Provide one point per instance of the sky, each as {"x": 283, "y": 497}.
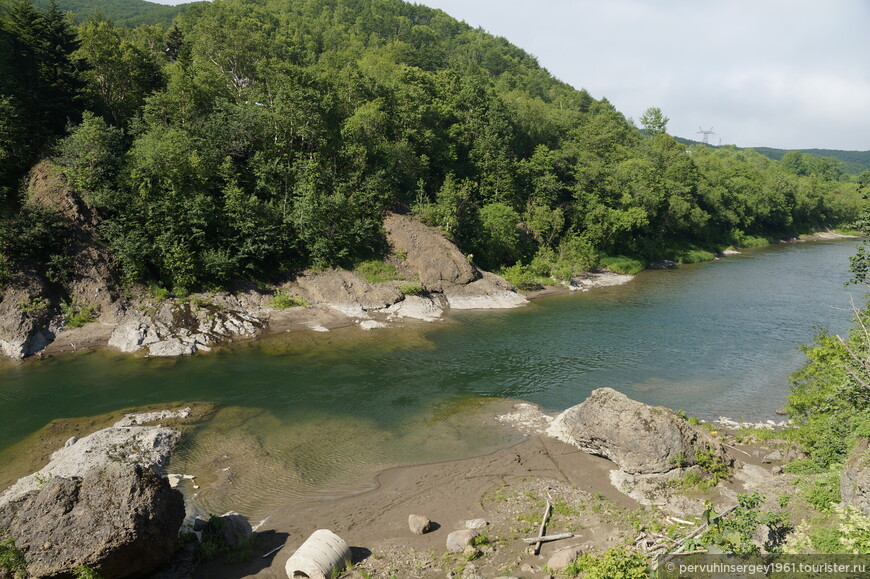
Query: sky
{"x": 789, "y": 74}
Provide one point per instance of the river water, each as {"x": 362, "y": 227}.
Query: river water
{"x": 315, "y": 415}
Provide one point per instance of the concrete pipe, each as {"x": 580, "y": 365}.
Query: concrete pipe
{"x": 319, "y": 557}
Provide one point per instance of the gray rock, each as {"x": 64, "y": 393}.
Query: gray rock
{"x": 564, "y": 557}
{"x": 457, "y": 541}
{"x": 235, "y": 529}
{"x": 488, "y": 292}
{"x": 419, "y": 524}
{"x": 776, "y": 455}
{"x": 776, "y": 470}
{"x": 171, "y": 347}
{"x": 855, "y": 480}
{"x": 120, "y": 519}
{"x": 70, "y": 441}
{"x": 150, "y": 446}
{"x": 475, "y": 524}
{"x": 436, "y": 262}
{"x": 640, "y": 439}
{"x": 24, "y": 316}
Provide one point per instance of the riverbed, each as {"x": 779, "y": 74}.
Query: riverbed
{"x": 317, "y": 414}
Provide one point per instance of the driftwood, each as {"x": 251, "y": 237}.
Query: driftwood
{"x": 547, "y": 538}
{"x": 682, "y": 542}
{"x": 275, "y": 550}
{"x": 540, "y": 537}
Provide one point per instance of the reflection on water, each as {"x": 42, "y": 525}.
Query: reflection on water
{"x": 316, "y": 414}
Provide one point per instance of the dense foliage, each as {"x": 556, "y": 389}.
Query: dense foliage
{"x": 255, "y": 136}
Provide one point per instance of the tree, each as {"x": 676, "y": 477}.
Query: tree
{"x": 654, "y": 121}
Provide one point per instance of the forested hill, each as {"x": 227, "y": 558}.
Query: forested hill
{"x": 121, "y": 12}
{"x": 250, "y": 138}
{"x": 852, "y": 162}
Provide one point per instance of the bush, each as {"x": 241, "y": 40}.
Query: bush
{"x": 693, "y": 255}
{"x": 12, "y": 560}
{"x": 76, "y": 316}
{"x": 412, "y": 289}
{"x": 616, "y": 563}
{"x": 521, "y": 277}
{"x": 282, "y": 300}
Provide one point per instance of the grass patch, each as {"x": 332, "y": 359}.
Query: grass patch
{"x": 282, "y": 300}
{"x": 622, "y": 264}
{"x": 694, "y": 255}
{"x": 374, "y": 271}
{"x": 12, "y": 560}
{"x": 75, "y": 315}
{"x": 412, "y": 289}
{"x": 616, "y": 562}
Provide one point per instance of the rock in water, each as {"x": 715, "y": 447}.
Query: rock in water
{"x": 640, "y": 439}
{"x": 121, "y": 520}
{"x": 855, "y": 480}
{"x": 419, "y": 524}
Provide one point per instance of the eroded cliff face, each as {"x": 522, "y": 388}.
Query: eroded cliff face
{"x": 32, "y": 320}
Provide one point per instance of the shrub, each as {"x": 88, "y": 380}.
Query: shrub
{"x": 616, "y": 563}
{"x": 282, "y": 300}
{"x": 12, "y": 560}
{"x": 520, "y": 277}
{"x": 76, "y": 316}
{"x": 33, "y": 308}
{"x": 412, "y": 289}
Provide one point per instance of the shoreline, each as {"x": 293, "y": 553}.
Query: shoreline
{"x": 325, "y": 317}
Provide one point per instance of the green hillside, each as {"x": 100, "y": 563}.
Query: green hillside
{"x": 253, "y": 138}
{"x": 121, "y": 12}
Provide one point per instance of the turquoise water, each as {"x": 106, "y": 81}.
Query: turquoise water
{"x": 316, "y": 412}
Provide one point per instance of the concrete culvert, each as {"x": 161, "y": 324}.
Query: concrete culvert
{"x": 321, "y": 555}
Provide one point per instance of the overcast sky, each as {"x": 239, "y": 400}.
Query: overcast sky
{"x": 791, "y": 74}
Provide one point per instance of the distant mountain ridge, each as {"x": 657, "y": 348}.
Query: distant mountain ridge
{"x": 854, "y": 162}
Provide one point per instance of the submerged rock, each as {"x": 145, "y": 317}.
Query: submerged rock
{"x": 639, "y": 438}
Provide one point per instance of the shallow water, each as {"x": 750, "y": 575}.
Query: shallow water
{"x": 315, "y": 415}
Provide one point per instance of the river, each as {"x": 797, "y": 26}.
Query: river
{"x": 311, "y": 414}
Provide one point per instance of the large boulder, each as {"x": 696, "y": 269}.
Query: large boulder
{"x": 639, "y": 438}
{"x": 149, "y": 446}
{"x": 346, "y": 292}
{"x": 437, "y": 263}
{"x": 120, "y": 519}
{"x": 855, "y": 480}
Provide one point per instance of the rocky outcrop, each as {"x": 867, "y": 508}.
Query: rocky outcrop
{"x": 640, "y": 439}
{"x": 436, "y": 262}
{"x": 120, "y": 520}
{"x": 101, "y": 501}
{"x": 179, "y": 328}
{"x": 149, "y": 446}
{"x": 855, "y": 480}
{"x": 345, "y": 291}
{"x": 25, "y": 316}
{"x": 488, "y": 292}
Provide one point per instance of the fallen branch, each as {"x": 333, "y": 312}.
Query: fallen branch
{"x": 276, "y": 549}
{"x": 737, "y": 449}
{"x": 683, "y": 554}
{"x": 539, "y": 540}
{"x": 683, "y": 542}
{"x": 681, "y": 521}
{"x": 548, "y": 538}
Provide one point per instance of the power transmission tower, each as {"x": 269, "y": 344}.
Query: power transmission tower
{"x": 705, "y": 135}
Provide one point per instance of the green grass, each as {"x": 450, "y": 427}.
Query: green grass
{"x": 622, "y": 264}
{"x": 694, "y": 255}
{"x": 76, "y": 316}
{"x": 374, "y": 271}
{"x": 412, "y": 289}
{"x": 282, "y": 300}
